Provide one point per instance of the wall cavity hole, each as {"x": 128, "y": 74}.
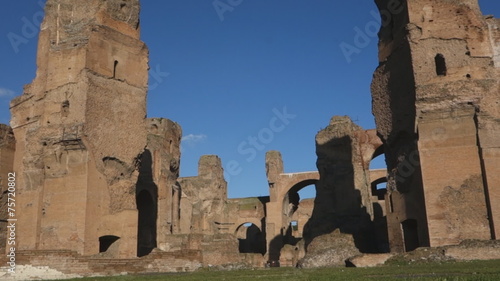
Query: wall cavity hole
{"x": 115, "y": 65}
{"x": 440, "y": 62}
{"x": 468, "y": 76}
{"x": 154, "y": 129}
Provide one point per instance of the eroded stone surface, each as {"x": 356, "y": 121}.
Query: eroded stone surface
{"x": 80, "y": 127}
{"x": 7, "y": 149}
{"x": 435, "y": 101}
{"x": 99, "y": 183}
{"x": 344, "y": 196}
{"x": 369, "y": 260}
{"x": 331, "y": 249}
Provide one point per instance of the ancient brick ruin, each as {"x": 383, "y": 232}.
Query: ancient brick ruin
{"x": 7, "y": 149}
{"x": 87, "y": 199}
{"x": 436, "y": 105}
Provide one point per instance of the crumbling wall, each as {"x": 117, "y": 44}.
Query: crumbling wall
{"x": 7, "y": 149}
{"x": 435, "y": 101}
{"x": 161, "y": 161}
{"x": 157, "y": 194}
{"x": 344, "y": 198}
{"x": 80, "y": 127}
{"x": 247, "y": 221}
{"x": 206, "y": 222}
{"x": 329, "y": 250}
{"x": 207, "y": 196}
{"x": 393, "y": 105}
{"x": 65, "y": 264}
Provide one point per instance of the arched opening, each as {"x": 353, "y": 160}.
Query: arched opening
{"x": 410, "y": 234}
{"x": 379, "y": 188}
{"x": 378, "y": 159}
{"x": 378, "y": 172}
{"x": 106, "y": 241}
{"x": 307, "y": 192}
{"x": 303, "y": 190}
{"x": 378, "y": 177}
{"x": 303, "y": 213}
{"x": 147, "y": 205}
{"x": 440, "y": 62}
{"x": 298, "y": 205}
{"x": 250, "y": 239}
{"x": 146, "y": 237}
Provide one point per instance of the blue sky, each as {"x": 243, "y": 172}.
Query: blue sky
{"x": 240, "y": 76}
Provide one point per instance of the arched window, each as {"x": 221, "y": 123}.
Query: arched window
{"x": 106, "y": 241}
{"x": 251, "y": 239}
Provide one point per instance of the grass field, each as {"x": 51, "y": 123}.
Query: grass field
{"x": 474, "y": 270}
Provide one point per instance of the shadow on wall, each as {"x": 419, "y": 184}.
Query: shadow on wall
{"x": 394, "y": 107}
{"x": 278, "y": 242}
{"x": 338, "y": 204}
{"x": 147, "y": 205}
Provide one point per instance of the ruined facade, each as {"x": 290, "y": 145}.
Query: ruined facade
{"x": 345, "y": 199}
{"x": 98, "y": 182}
{"x": 284, "y": 204}
{"x": 157, "y": 192}
{"x": 7, "y": 149}
{"x": 77, "y": 182}
{"x": 435, "y": 101}
{"x": 346, "y": 196}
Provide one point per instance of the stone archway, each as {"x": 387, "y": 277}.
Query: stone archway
{"x": 285, "y": 203}
{"x": 291, "y": 198}
{"x": 250, "y": 237}
{"x": 147, "y": 205}
{"x": 283, "y": 188}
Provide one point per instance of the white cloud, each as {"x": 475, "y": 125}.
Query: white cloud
{"x": 6, "y": 93}
{"x": 192, "y": 138}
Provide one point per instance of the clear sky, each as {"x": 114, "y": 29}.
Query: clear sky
{"x": 240, "y": 76}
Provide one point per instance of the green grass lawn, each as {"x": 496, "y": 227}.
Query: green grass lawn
{"x": 474, "y": 270}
